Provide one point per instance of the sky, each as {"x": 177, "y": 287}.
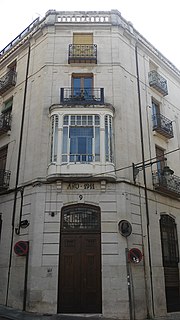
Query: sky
{"x": 157, "y": 20}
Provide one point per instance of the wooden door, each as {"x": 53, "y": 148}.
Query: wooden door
{"x": 80, "y": 267}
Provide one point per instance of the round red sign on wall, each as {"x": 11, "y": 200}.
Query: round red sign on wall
{"x": 21, "y": 248}
{"x": 134, "y": 255}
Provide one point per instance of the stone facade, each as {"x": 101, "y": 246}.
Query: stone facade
{"x": 47, "y": 175}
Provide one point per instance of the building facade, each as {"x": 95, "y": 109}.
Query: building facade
{"x": 89, "y": 170}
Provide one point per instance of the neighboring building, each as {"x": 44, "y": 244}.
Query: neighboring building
{"x": 89, "y": 169}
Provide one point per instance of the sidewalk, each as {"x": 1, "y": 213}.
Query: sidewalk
{"x": 14, "y": 314}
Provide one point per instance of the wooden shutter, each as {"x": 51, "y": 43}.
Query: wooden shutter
{"x": 82, "y": 38}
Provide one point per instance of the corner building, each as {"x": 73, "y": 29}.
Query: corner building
{"x": 89, "y": 170}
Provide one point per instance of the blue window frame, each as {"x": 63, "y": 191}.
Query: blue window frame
{"x": 82, "y": 86}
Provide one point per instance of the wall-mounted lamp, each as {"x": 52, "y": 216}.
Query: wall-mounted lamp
{"x": 139, "y": 167}
{"x": 23, "y": 224}
{"x": 167, "y": 171}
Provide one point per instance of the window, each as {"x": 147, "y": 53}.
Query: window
{"x": 108, "y": 137}
{"x": 4, "y": 174}
{"x": 81, "y": 138}
{"x": 54, "y": 138}
{"x": 156, "y": 114}
{"x": 160, "y": 157}
{"x": 3, "y": 156}
{"x": 169, "y": 240}
{"x": 81, "y": 142}
{"x": 82, "y": 86}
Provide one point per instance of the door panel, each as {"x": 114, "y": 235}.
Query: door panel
{"x": 80, "y": 274}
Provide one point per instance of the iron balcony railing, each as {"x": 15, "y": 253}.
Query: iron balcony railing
{"x": 4, "y": 179}
{"x": 5, "y": 122}
{"x": 82, "y": 53}
{"x": 163, "y": 125}
{"x": 169, "y": 184}
{"x": 7, "y": 81}
{"x": 158, "y": 82}
{"x": 86, "y": 96}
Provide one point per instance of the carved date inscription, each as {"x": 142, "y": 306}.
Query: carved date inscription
{"x": 80, "y": 186}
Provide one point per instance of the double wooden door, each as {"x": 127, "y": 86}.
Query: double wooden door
{"x": 80, "y": 270}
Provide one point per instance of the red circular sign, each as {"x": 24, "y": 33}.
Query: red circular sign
{"x": 21, "y": 248}
{"x": 134, "y": 255}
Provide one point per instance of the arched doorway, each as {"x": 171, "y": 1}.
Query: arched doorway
{"x": 170, "y": 255}
{"x": 80, "y": 260}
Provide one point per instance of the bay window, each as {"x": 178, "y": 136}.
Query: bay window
{"x": 81, "y": 142}
{"x": 81, "y": 138}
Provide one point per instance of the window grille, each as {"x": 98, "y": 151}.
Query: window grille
{"x": 80, "y": 218}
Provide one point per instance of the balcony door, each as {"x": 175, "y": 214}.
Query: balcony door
{"x": 160, "y": 158}
{"x": 82, "y": 85}
{"x": 3, "y": 157}
{"x": 156, "y": 114}
{"x": 80, "y": 260}
{"x": 170, "y": 254}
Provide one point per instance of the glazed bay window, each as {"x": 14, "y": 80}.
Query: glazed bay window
{"x": 81, "y": 138}
{"x": 81, "y": 142}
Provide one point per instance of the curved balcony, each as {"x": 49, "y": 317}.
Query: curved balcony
{"x": 82, "y": 53}
{"x": 79, "y": 96}
{"x": 5, "y": 122}
{"x": 158, "y": 82}
{"x": 4, "y": 179}
{"x": 168, "y": 184}
{"x": 7, "y": 81}
{"x": 163, "y": 125}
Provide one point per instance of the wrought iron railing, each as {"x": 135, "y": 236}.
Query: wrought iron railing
{"x": 169, "y": 184}
{"x": 7, "y": 81}
{"x": 5, "y": 122}
{"x": 163, "y": 125}
{"x": 82, "y": 53}
{"x": 158, "y": 82}
{"x": 81, "y": 96}
{"x": 4, "y": 179}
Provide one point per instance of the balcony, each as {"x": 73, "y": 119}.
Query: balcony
{"x": 4, "y": 179}
{"x": 7, "y": 81}
{"x": 5, "y": 122}
{"x": 163, "y": 125}
{"x": 157, "y": 82}
{"x": 167, "y": 183}
{"x": 78, "y": 96}
{"x": 82, "y": 53}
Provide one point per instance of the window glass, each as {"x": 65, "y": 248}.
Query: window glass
{"x": 97, "y": 144}
{"x": 81, "y": 139}
{"x": 108, "y": 137}
{"x": 54, "y": 138}
{"x": 82, "y": 86}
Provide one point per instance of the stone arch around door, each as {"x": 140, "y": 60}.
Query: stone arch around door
{"x": 79, "y": 285}
{"x": 170, "y": 255}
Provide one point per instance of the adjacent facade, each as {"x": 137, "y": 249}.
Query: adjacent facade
{"x": 89, "y": 170}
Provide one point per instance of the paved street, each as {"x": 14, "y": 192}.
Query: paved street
{"x": 14, "y": 314}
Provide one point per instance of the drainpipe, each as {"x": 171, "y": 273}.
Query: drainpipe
{"x": 145, "y": 192}
{"x": 17, "y": 173}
